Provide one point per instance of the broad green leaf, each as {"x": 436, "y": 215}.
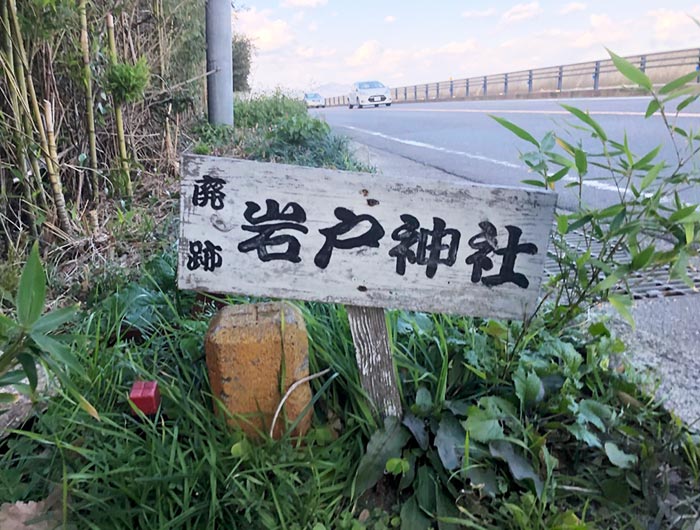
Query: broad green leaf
{"x": 654, "y": 105}
{"x": 562, "y": 224}
{"x": 651, "y": 175}
{"x": 682, "y": 213}
{"x": 520, "y": 133}
{"x": 58, "y": 351}
{"x": 599, "y": 329}
{"x": 566, "y": 146}
{"x": 689, "y": 233}
{"x": 579, "y": 223}
{"x": 548, "y": 142}
{"x": 618, "y": 457}
{"x": 642, "y": 259}
{"x": 11, "y": 378}
{"x": 630, "y": 71}
{"x": 582, "y": 433}
{"x": 241, "y": 449}
{"x": 446, "y": 510}
{"x": 384, "y": 444}
{"x": 622, "y": 305}
{"x": 687, "y": 101}
{"x": 651, "y": 155}
{"x": 556, "y": 177}
{"x": 585, "y": 118}
{"x": 425, "y": 489}
{"x": 483, "y": 427}
{"x": 449, "y": 441}
{"x": 519, "y": 466}
{"x": 412, "y": 517}
{"x": 417, "y": 427}
{"x": 6, "y": 397}
{"x": 424, "y": 402}
{"x": 581, "y": 162}
{"x": 54, "y": 319}
{"x": 528, "y": 388}
{"x": 396, "y": 466}
{"x": 678, "y": 83}
{"x": 532, "y": 182}
{"x": 28, "y": 363}
{"x": 594, "y": 412}
{"x": 31, "y": 293}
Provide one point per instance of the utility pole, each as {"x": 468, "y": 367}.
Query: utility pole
{"x": 220, "y": 61}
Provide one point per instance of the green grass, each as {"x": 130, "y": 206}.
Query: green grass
{"x": 278, "y": 129}
{"x": 186, "y": 468}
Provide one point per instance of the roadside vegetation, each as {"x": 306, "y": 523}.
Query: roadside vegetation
{"x": 525, "y": 425}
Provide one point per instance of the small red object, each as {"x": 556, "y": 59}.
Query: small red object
{"x": 146, "y": 396}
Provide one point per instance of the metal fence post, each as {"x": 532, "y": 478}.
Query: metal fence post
{"x": 560, "y": 78}
{"x": 466, "y": 95}
{"x": 697, "y": 67}
{"x": 529, "y": 80}
{"x": 426, "y": 92}
{"x": 405, "y": 93}
{"x": 452, "y": 89}
{"x": 415, "y": 92}
{"x": 437, "y": 90}
{"x": 485, "y": 85}
{"x": 596, "y": 75}
{"x": 505, "y": 84}
{"x": 643, "y": 63}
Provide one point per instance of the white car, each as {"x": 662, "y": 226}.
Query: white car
{"x": 312, "y": 99}
{"x": 369, "y": 93}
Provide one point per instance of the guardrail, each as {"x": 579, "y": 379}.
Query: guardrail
{"x": 593, "y": 78}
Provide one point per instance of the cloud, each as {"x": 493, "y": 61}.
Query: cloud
{"x": 673, "y": 27}
{"x": 572, "y": 8}
{"x": 479, "y": 14}
{"x": 303, "y": 3}
{"x": 266, "y": 33}
{"x": 521, "y": 12}
{"x": 313, "y": 53}
{"x": 390, "y": 19}
{"x": 451, "y": 48}
{"x": 312, "y": 27}
{"x": 367, "y": 52}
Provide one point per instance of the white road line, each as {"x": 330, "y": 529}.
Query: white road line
{"x": 553, "y": 112}
{"x": 590, "y": 183}
{"x": 413, "y": 143}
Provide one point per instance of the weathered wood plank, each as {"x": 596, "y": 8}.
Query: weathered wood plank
{"x": 373, "y": 355}
{"x": 462, "y": 225}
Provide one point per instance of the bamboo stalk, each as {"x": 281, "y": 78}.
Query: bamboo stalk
{"x": 28, "y": 94}
{"x": 90, "y": 112}
{"x": 20, "y": 148}
{"x": 118, "y": 118}
{"x": 54, "y": 177}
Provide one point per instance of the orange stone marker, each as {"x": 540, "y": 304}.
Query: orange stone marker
{"x": 249, "y": 348}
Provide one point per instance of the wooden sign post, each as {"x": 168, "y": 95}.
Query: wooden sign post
{"x": 366, "y": 241}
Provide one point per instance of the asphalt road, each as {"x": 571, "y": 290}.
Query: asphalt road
{"x": 461, "y": 138}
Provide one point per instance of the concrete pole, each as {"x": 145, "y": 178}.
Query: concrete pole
{"x": 220, "y": 60}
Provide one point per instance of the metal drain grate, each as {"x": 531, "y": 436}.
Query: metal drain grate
{"x": 651, "y": 284}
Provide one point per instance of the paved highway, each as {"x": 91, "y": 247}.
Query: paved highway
{"x": 461, "y": 138}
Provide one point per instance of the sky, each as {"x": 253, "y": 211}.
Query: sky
{"x": 329, "y": 44}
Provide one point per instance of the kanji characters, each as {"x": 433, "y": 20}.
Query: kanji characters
{"x": 204, "y": 254}
{"x": 207, "y": 191}
{"x": 348, "y": 221}
{"x": 429, "y": 245}
{"x": 290, "y": 218}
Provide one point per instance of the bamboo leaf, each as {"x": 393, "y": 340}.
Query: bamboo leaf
{"x": 630, "y": 71}
{"x": 654, "y": 105}
{"x": 585, "y": 118}
{"x": 678, "y": 83}
{"x": 520, "y": 133}
{"x": 651, "y": 175}
{"x": 31, "y": 293}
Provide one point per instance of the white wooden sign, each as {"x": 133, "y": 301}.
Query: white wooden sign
{"x": 293, "y": 232}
